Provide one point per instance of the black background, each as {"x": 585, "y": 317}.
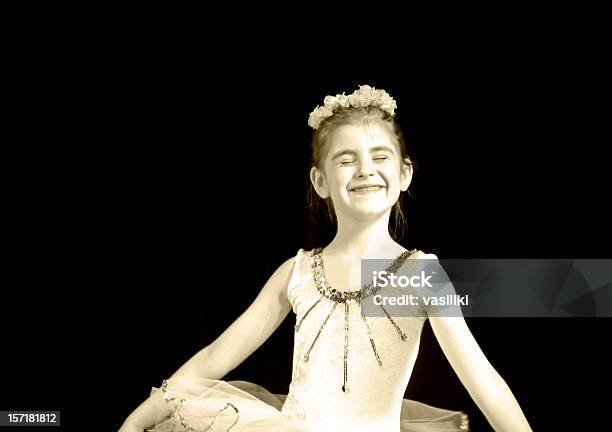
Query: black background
{"x": 152, "y": 191}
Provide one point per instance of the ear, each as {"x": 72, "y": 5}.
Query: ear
{"x": 405, "y": 174}
{"x": 318, "y": 182}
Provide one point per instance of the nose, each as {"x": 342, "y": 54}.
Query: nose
{"x": 365, "y": 168}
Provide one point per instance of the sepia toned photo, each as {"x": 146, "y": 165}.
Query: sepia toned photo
{"x": 233, "y": 240}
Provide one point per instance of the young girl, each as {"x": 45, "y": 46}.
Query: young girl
{"x": 350, "y": 371}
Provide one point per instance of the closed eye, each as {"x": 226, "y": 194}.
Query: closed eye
{"x": 378, "y": 158}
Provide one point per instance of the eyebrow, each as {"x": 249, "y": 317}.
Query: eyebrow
{"x": 372, "y": 150}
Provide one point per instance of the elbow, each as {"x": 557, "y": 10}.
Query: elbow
{"x": 489, "y": 390}
{"x": 201, "y": 365}
{"x": 207, "y": 364}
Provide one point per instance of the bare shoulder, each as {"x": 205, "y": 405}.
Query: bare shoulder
{"x": 286, "y": 267}
{"x": 279, "y": 280}
{"x": 425, "y": 255}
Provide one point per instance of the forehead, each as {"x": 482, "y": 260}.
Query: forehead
{"x": 359, "y": 137}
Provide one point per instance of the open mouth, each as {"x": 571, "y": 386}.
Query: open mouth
{"x": 367, "y": 189}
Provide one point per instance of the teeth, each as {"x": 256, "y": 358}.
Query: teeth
{"x": 368, "y": 189}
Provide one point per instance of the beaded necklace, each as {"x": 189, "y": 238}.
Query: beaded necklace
{"x": 346, "y": 298}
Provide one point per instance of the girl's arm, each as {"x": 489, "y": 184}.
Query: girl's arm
{"x": 247, "y": 333}
{"x": 486, "y": 387}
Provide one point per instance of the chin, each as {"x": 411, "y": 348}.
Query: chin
{"x": 366, "y": 212}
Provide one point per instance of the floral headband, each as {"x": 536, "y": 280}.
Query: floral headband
{"x": 362, "y": 97}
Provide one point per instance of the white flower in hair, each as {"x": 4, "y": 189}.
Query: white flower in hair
{"x": 343, "y": 100}
{"x": 330, "y": 102}
{"x": 363, "y": 97}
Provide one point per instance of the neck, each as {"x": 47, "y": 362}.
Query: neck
{"x": 364, "y": 238}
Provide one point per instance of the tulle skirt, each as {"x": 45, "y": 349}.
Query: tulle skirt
{"x": 203, "y": 405}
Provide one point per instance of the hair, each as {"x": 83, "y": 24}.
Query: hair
{"x": 321, "y": 139}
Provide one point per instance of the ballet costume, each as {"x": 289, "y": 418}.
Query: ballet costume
{"x": 350, "y": 371}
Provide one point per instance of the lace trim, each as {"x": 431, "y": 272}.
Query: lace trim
{"x": 178, "y": 409}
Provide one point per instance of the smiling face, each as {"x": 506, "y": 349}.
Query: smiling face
{"x": 362, "y": 172}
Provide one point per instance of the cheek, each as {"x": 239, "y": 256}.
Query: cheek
{"x": 392, "y": 176}
{"x": 339, "y": 177}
